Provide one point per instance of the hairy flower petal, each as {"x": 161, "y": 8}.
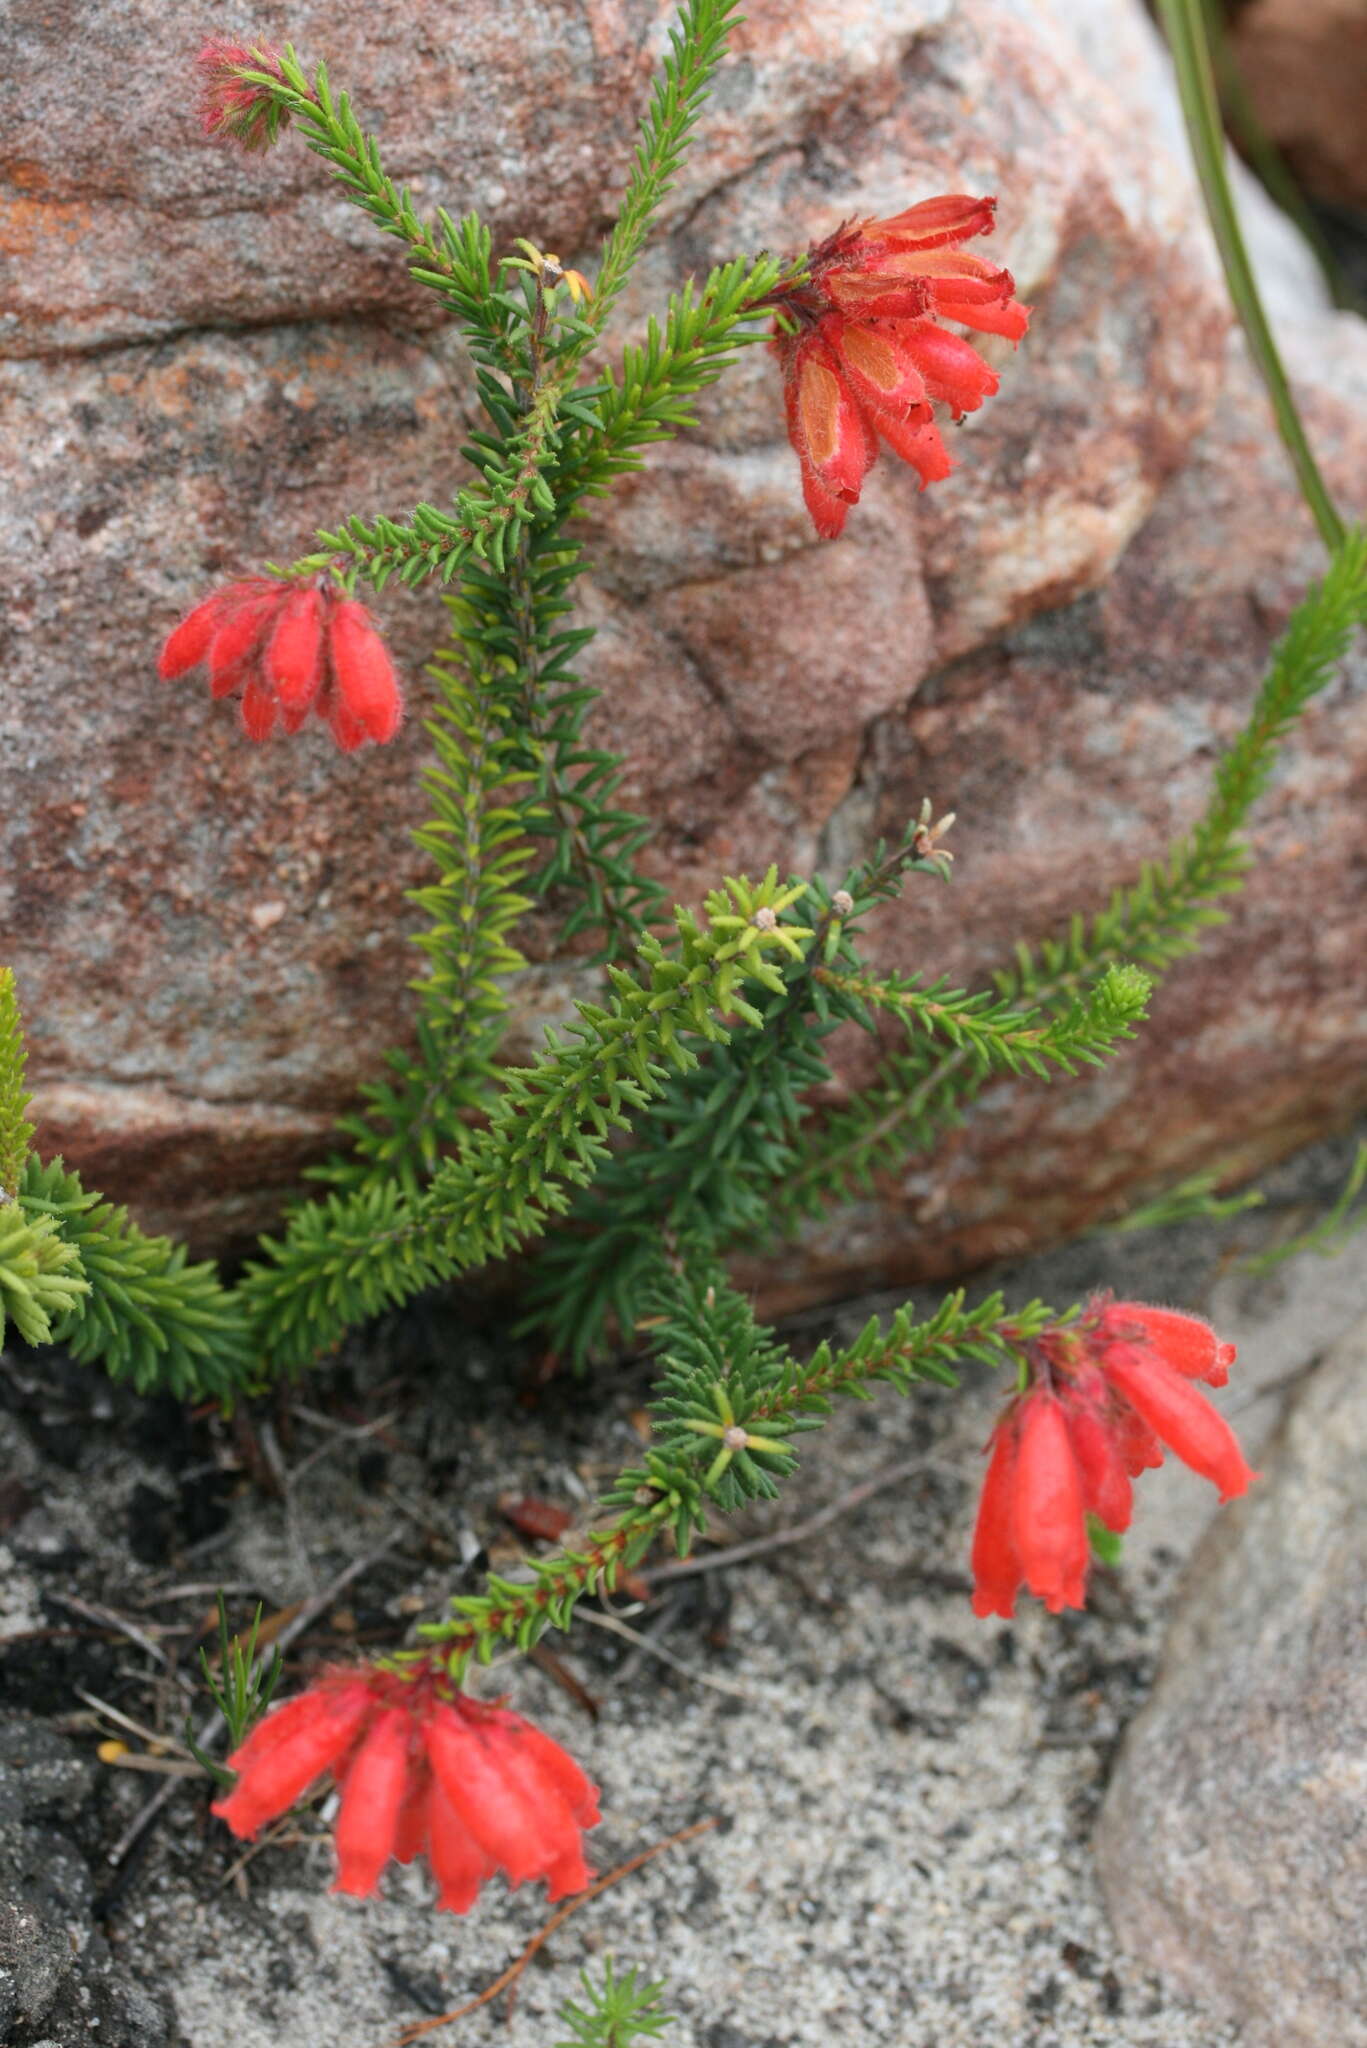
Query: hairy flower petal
{"x": 952, "y": 368}
{"x": 290, "y": 1749}
{"x": 372, "y": 1800}
{"x": 1187, "y": 1342}
{"x": 878, "y": 366}
{"x": 363, "y": 674}
{"x": 459, "y": 1865}
{"x": 492, "y": 1805}
{"x": 1180, "y": 1416}
{"x": 1107, "y": 1492}
{"x": 963, "y": 277}
{"x": 1011, "y": 319}
{"x": 294, "y": 653}
{"x": 189, "y": 644}
{"x": 997, "y": 1571}
{"x": 933, "y": 223}
{"x": 1048, "y": 1525}
{"x": 917, "y": 442}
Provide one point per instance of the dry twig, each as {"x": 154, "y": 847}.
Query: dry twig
{"x": 644, "y": 1643}
{"x": 538, "y": 1940}
{"x": 798, "y": 1532}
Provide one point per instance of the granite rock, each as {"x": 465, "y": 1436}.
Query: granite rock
{"x": 212, "y": 355}
{"x": 1231, "y": 1843}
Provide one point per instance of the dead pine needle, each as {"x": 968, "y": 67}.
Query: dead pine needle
{"x": 514, "y": 1971}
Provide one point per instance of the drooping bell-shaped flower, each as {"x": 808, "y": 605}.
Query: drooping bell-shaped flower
{"x": 422, "y": 1768}
{"x": 1106, "y": 1395}
{"x": 289, "y": 651}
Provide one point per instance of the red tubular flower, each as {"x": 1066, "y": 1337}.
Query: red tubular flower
{"x": 363, "y": 678}
{"x": 1105, "y": 1395}
{"x": 231, "y": 107}
{"x": 294, "y": 653}
{"x": 996, "y": 1565}
{"x": 289, "y": 1749}
{"x": 292, "y": 650}
{"x": 1186, "y": 1342}
{"x": 421, "y": 1767}
{"x": 1179, "y": 1417}
{"x": 863, "y": 356}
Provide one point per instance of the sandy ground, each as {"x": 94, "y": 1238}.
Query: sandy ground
{"x": 903, "y": 1795}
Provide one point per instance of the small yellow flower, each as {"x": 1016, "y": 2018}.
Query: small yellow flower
{"x": 552, "y": 271}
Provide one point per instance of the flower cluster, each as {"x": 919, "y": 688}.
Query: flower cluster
{"x": 864, "y": 356}
{"x": 292, "y": 649}
{"x": 231, "y": 107}
{"x": 423, "y": 1769}
{"x": 1106, "y": 1395}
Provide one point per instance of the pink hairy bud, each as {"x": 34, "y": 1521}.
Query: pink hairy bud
{"x": 232, "y": 106}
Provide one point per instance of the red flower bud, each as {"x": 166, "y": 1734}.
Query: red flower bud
{"x": 1106, "y": 1487}
{"x": 918, "y": 443}
{"x": 372, "y": 1800}
{"x": 1048, "y": 1525}
{"x": 292, "y": 1747}
{"x": 1186, "y": 1342}
{"x": 362, "y": 673}
{"x": 878, "y": 366}
{"x": 291, "y": 649}
{"x": 258, "y": 710}
{"x": 931, "y": 223}
{"x": 458, "y": 1863}
{"x": 241, "y": 630}
{"x": 996, "y": 1567}
{"x": 953, "y": 370}
{"x": 189, "y": 644}
{"x": 294, "y": 656}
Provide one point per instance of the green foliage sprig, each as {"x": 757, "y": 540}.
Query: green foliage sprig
{"x": 16, "y": 1132}
{"x": 480, "y": 849}
{"x": 151, "y": 1315}
{"x": 345, "y": 1258}
{"x": 998, "y": 1038}
{"x": 242, "y": 1687}
{"x": 42, "y": 1280}
{"x": 697, "y": 43}
{"x": 1152, "y": 922}
{"x": 650, "y": 398}
{"x": 703, "y": 1159}
{"x": 517, "y": 641}
{"x": 729, "y": 1398}
{"x": 620, "y": 2011}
